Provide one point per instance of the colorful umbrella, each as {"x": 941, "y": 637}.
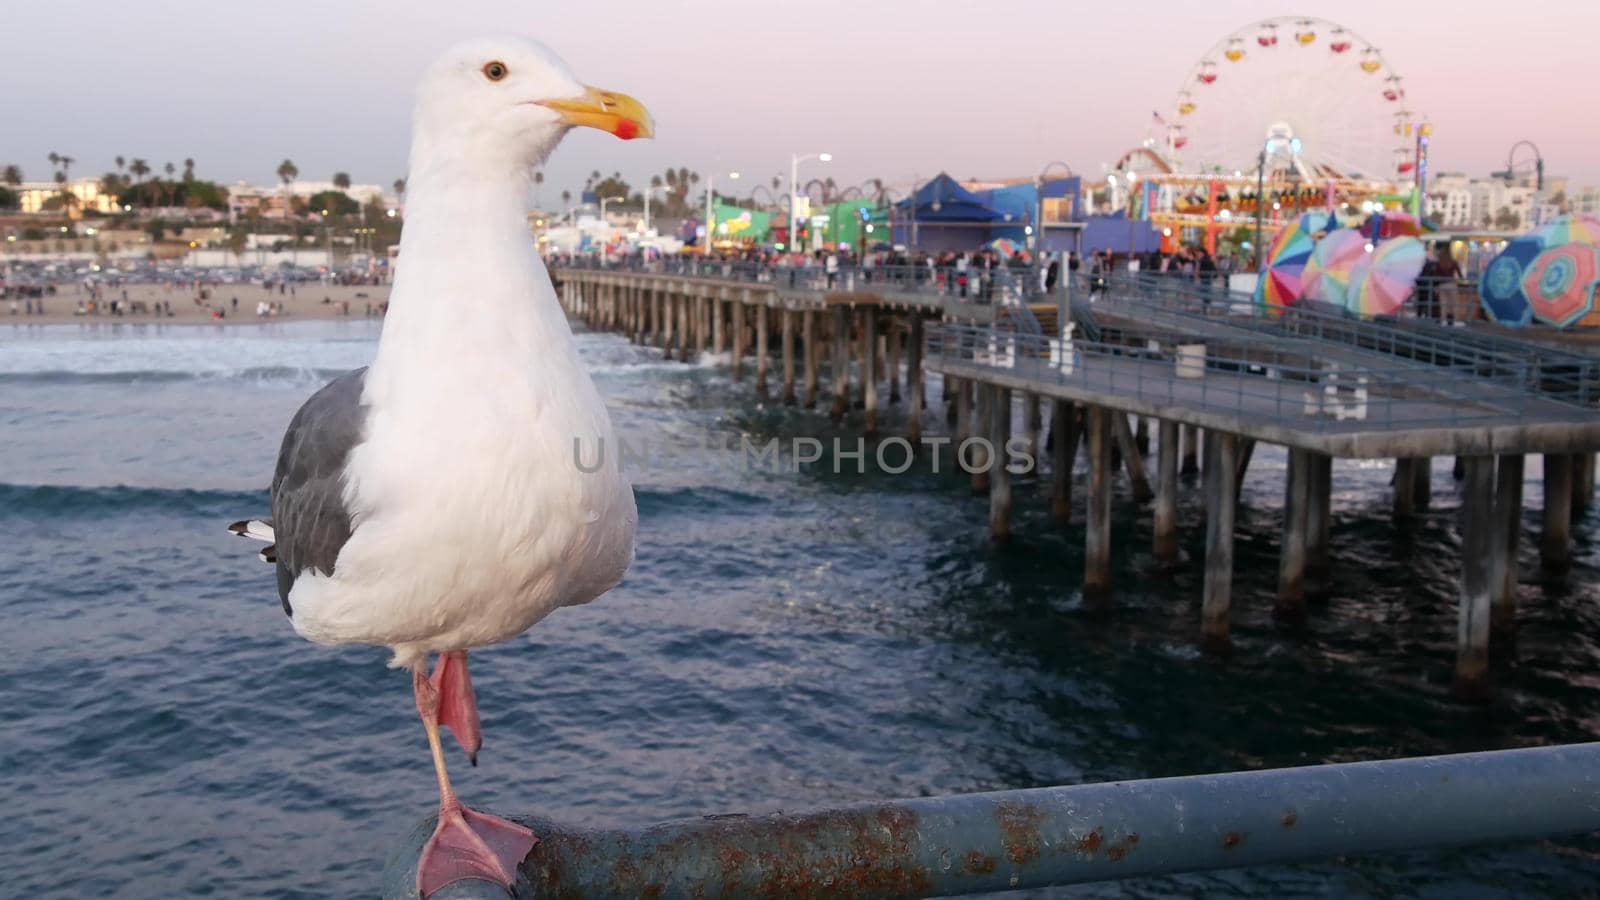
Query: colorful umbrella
{"x": 1500, "y": 287}
{"x": 1574, "y": 229}
{"x": 1318, "y": 224}
{"x": 1327, "y": 273}
{"x": 1560, "y": 284}
{"x": 1279, "y": 284}
{"x": 1382, "y": 281}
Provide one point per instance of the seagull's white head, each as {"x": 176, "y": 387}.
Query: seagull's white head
{"x": 507, "y": 101}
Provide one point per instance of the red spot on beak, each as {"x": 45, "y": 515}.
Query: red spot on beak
{"x": 626, "y": 129}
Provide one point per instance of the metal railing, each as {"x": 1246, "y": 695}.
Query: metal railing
{"x": 1268, "y": 383}
{"x": 1044, "y": 837}
{"x": 1550, "y": 372}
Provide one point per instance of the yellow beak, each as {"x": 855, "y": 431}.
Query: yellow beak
{"x": 610, "y": 111}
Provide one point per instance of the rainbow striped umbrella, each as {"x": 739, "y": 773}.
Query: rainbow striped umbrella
{"x": 1560, "y": 284}
{"x": 1318, "y": 224}
{"x": 1573, "y": 229}
{"x": 1382, "y": 281}
{"x": 1327, "y": 273}
{"x": 1500, "y": 287}
{"x": 1279, "y": 284}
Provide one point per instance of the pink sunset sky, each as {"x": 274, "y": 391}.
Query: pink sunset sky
{"x": 892, "y": 89}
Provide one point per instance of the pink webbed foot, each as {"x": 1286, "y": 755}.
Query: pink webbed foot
{"x": 470, "y": 844}
{"x": 458, "y": 705}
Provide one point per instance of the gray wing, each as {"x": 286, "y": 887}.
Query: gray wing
{"x": 309, "y": 519}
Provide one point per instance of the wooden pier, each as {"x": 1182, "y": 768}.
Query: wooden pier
{"x": 1214, "y": 385}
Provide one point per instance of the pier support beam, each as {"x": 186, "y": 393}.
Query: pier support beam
{"x": 789, "y": 398}
{"x": 1583, "y": 483}
{"x": 737, "y": 337}
{"x": 840, "y": 367}
{"x": 1165, "y": 540}
{"x": 1422, "y": 482}
{"x": 719, "y": 328}
{"x": 702, "y": 323}
{"x": 1033, "y": 416}
{"x": 1555, "y": 544}
{"x": 1479, "y": 543}
{"x": 1405, "y": 488}
{"x": 1222, "y": 477}
{"x": 999, "y": 475}
{"x": 1191, "y": 450}
{"x": 962, "y": 408}
{"x": 1508, "y": 512}
{"x": 892, "y": 338}
{"x": 809, "y": 352}
{"x": 685, "y": 339}
{"x": 915, "y": 382}
{"x": 869, "y": 368}
{"x": 1292, "y": 558}
{"x": 1132, "y": 459}
{"x": 1097, "y": 530}
{"x": 762, "y": 340}
{"x": 1064, "y": 432}
{"x": 978, "y": 427}
{"x": 1319, "y": 516}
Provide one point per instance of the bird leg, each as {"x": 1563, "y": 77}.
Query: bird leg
{"x": 458, "y": 705}
{"x": 466, "y": 843}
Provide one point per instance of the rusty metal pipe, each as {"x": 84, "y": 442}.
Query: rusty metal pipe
{"x": 974, "y": 843}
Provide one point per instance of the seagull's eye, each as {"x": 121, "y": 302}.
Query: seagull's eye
{"x": 495, "y": 71}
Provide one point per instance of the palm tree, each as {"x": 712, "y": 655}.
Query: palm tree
{"x": 341, "y": 180}
{"x": 139, "y": 168}
{"x": 287, "y": 172}
{"x": 400, "y": 190}
{"x": 538, "y": 179}
{"x": 12, "y": 175}
{"x": 566, "y": 199}
{"x": 188, "y": 168}
{"x": 121, "y": 163}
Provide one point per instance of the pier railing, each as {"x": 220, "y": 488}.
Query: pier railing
{"x": 1044, "y": 837}
{"x": 1273, "y": 384}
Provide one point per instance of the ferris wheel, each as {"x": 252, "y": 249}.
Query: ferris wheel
{"x": 1322, "y": 100}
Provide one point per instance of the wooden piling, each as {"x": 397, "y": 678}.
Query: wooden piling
{"x": 809, "y": 351}
{"x": 1555, "y": 544}
{"x": 1478, "y": 544}
{"x": 1405, "y": 487}
{"x": 1422, "y": 482}
{"x": 840, "y": 367}
{"x": 1165, "y": 539}
{"x": 685, "y": 340}
{"x": 737, "y": 337}
{"x": 1063, "y": 453}
{"x": 914, "y": 380}
{"x": 1508, "y": 512}
{"x": 1033, "y": 417}
{"x": 999, "y": 475}
{"x": 1191, "y": 450}
{"x": 789, "y": 398}
{"x": 869, "y": 381}
{"x": 892, "y": 338}
{"x": 978, "y": 428}
{"x": 702, "y": 324}
{"x": 963, "y": 408}
{"x": 1292, "y": 554}
{"x": 1221, "y": 474}
{"x": 1583, "y": 483}
{"x": 719, "y": 329}
{"x": 658, "y": 321}
{"x": 761, "y": 350}
{"x": 1097, "y": 529}
{"x": 1132, "y": 459}
{"x": 1319, "y": 516}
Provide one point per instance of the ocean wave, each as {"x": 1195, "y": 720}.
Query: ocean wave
{"x": 67, "y": 501}
{"x": 250, "y": 374}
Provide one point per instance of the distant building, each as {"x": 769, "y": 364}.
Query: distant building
{"x": 245, "y": 199}
{"x": 1450, "y": 201}
{"x": 34, "y": 196}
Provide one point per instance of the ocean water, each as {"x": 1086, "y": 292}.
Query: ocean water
{"x": 785, "y": 640}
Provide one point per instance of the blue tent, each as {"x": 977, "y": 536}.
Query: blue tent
{"x": 943, "y": 200}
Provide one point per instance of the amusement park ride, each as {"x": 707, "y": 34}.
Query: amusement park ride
{"x": 1282, "y": 116}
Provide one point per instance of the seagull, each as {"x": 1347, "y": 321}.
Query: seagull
{"x": 432, "y": 502}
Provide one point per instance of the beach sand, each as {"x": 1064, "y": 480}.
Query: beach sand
{"x": 305, "y": 302}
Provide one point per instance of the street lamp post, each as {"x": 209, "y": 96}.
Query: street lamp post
{"x": 710, "y": 213}
{"x": 794, "y": 178}
{"x": 647, "y": 193}
{"x": 1261, "y": 189}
